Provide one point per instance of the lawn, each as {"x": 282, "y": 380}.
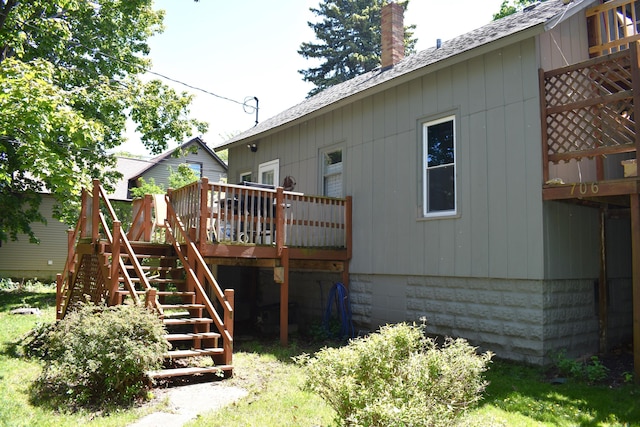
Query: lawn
{"x": 517, "y": 395}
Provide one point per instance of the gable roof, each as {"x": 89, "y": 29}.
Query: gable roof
{"x": 532, "y": 20}
{"x": 132, "y": 169}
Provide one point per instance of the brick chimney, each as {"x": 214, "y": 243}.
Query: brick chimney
{"x": 392, "y": 27}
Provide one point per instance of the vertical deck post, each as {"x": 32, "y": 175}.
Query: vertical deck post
{"x": 280, "y": 221}
{"x": 70, "y": 250}
{"x": 635, "y": 85}
{"x": 229, "y": 295}
{"x": 95, "y": 211}
{"x": 284, "y": 299}
{"x": 146, "y": 220}
{"x": 635, "y": 268}
{"x": 115, "y": 263}
{"x": 83, "y": 213}
{"x": 543, "y": 124}
{"x": 603, "y": 310}
{"x": 204, "y": 207}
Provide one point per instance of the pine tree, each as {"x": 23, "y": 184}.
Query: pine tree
{"x": 349, "y": 41}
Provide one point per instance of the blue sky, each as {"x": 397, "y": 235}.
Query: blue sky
{"x": 248, "y": 48}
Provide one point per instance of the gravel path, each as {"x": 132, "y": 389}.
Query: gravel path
{"x": 186, "y": 402}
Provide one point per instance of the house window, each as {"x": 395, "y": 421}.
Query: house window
{"x": 439, "y": 170}
{"x": 332, "y": 173}
{"x": 269, "y": 172}
{"x": 196, "y": 167}
{"x": 245, "y": 176}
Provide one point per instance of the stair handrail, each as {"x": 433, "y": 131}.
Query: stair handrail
{"x": 199, "y": 261}
{"x": 63, "y": 280}
{"x": 102, "y": 194}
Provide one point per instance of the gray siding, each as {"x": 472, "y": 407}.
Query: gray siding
{"x": 496, "y": 233}
{"x": 210, "y": 167}
{"x": 21, "y": 259}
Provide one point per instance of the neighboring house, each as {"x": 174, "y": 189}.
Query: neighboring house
{"x": 195, "y": 152}
{"x": 22, "y": 259}
{"x": 442, "y": 153}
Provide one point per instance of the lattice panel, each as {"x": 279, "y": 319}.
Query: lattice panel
{"x": 89, "y": 281}
{"x": 575, "y": 123}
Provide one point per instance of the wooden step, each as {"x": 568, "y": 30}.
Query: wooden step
{"x": 181, "y": 354}
{"x": 182, "y": 306}
{"x": 158, "y": 280}
{"x": 192, "y": 336}
{"x": 182, "y": 372}
{"x": 166, "y": 293}
{"x": 187, "y": 321}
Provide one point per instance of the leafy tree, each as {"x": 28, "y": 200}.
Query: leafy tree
{"x": 349, "y": 41}
{"x": 509, "y": 8}
{"x": 182, "y": 176}
{"x": 147, "y": 187}
{"x": 69, "y": 79}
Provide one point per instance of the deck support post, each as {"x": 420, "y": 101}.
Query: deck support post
{"x": 284, "y": 298}
{"x": 146, "y": 220}
{"x": 204, "y": 207}
{"x": 635, "y": 268}
{"x": 229, "y": 296}
{"x": 115, "y": 263}
{"x": 603, "y": 303}
{"x": 95, "y": 211}
{"x": 58, "y": 296}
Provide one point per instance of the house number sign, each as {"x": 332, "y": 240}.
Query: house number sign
{"x": 584, "y": 188}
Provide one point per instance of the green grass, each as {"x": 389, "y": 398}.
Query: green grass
{"x": 517, "y": 395}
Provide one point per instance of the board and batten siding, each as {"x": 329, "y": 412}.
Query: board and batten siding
{"x": 498, "y": 231}
{"x": 21, "y": 259}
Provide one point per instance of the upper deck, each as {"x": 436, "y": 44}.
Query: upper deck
{"x": 588, "y": 110}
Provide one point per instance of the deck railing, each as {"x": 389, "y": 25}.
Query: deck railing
{"x": 613, "y": 26}
{"x": 252, "y": 215}
{"x": 589, "y": 109}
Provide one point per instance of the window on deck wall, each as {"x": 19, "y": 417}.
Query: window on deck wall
{"x": 332, "y": 173}
{"x": 269, "y": 172}
{"x": 245, "y": 176}
{"x": 439, "y": 170}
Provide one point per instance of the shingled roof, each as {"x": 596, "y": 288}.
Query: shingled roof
{"x": 533, "y": 20}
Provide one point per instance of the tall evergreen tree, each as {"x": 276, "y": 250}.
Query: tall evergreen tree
{"x": 349, "y": 41}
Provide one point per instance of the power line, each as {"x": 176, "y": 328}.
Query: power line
{"x": 146, "y": 70}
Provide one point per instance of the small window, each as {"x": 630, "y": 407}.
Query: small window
{"x": 332, "y": 173}
{"x": 196, "y": 167}
{"x": 439, "y": 171}
{"x": 269, "y": 172}
{"x": 245, "y": 176}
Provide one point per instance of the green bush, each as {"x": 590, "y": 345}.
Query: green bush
{"x": 591, "y": 370}
{"x": 397, "y": 377}
{"x": 98, "y": 356}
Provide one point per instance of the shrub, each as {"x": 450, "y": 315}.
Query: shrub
{"x": 591, "y": 370}
{"x": 99, "y": 356}
{"x": 397, "y": 377}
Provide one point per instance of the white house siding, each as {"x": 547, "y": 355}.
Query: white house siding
{"x": 21, "y": 259}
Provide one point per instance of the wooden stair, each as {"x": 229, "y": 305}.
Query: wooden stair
{"x": 195, "y": 348}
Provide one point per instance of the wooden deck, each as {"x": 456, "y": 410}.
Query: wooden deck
{"x": 590, "y": 138}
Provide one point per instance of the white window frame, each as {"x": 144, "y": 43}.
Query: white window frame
{"x": 272, "y": 165}
{"x": 426, "y": 168}
{"x": 323, "y": 172}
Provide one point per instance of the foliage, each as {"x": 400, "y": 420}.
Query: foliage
{"x": 99, "y": 356}
{"x": 182, "y": 176}
{"x": 509, "y": 8}
{"x": 29, "y": 285}
{"x": 591, "y": 370}
{"x": 397, "y": 377}
{"x": 146, "y": 187}
{"x": 70, "y": 76}
{"x": 349, "y": 41}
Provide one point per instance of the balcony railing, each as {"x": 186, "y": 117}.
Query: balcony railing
{"x": 613, "y": 26}
{"x": 589, "y": 110}
{"x": 253, "y": 215}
